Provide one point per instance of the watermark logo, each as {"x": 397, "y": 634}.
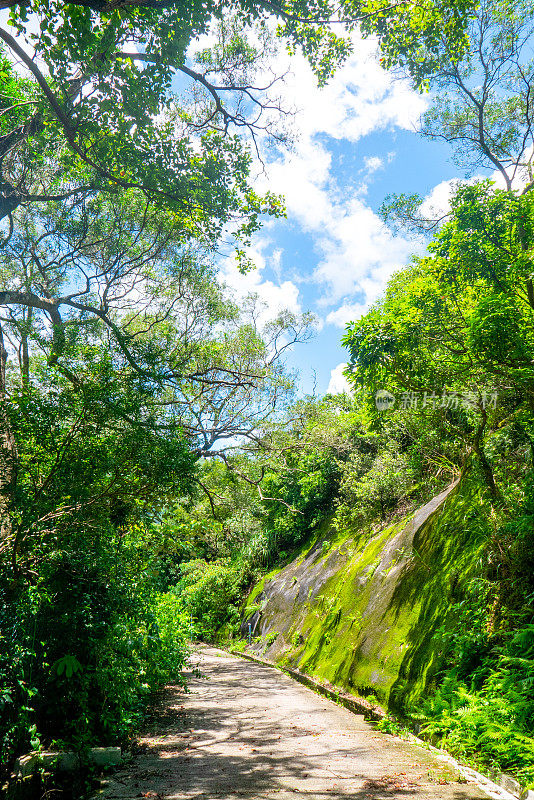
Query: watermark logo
{"x": 384, "y": 400}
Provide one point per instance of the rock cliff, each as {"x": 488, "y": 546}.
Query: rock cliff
{"x": 366, "y": 611}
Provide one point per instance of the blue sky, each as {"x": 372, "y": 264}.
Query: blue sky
{"x": 356, "y": 141}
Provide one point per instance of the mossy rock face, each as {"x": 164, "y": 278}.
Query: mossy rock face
{"x": 364, "y": 614}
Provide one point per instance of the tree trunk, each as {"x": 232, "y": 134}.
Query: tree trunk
{"x": 25, "y": 352}
{"x": 8, "y": 458}
{"x": 487, "y": 470}
{"x": 488, "y": 473}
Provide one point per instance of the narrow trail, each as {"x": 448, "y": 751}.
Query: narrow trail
{"x": 248, "y": 731}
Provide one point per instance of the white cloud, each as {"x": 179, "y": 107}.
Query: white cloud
{"x": 438, "y": 202}
{"x": 338, "y": 383}
{"x": 275, "y": 296}
{"x": 361, "y": 98}
{"x": 348, "y": 312}
{"x": 357, "y": 254}
{"x": 373, "y": 163}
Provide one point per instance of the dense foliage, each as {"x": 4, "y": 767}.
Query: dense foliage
{"x": 127, "y": 97}
{"x": 85, "y": 634}
{"x": 451, "y": 339}
{"x": 450, "y": 343}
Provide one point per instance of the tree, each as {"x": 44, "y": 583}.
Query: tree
{"x": 109, "y": 297}
{"x": 483, "y": 100}
{"x": 84, "y": 636}
{"x": 111, "y": 113}
{"x": 457, "y": 326}
{"x": 126, "y": 366}
{"x": 102, "y": 86}
{"x": 482, "y": 258}
{"x": 482, "y": 105}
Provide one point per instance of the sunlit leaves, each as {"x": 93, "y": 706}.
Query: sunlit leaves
{"x": 461, "y": 317}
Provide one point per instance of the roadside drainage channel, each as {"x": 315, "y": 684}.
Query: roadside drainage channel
{"x": 501, "y": 787}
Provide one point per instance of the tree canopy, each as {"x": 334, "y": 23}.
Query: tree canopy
{"x": 104, "y": 86}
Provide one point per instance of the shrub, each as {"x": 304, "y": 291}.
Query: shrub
{"x": 79, "y": 657}
{"x": 211, "y": 593}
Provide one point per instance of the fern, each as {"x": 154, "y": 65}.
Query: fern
{"x": 495, "y": 724}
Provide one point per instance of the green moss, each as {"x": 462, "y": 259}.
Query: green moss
{"x": 372, "y": 626}
{"x": 259, "y": 587}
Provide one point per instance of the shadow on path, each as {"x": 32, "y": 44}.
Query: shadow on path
{"x": 248, "y": 731}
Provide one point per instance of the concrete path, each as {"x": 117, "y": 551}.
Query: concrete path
{"x": 249, "y": 732}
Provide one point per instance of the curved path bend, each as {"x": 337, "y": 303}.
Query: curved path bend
{"x": 249, "y": 732}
